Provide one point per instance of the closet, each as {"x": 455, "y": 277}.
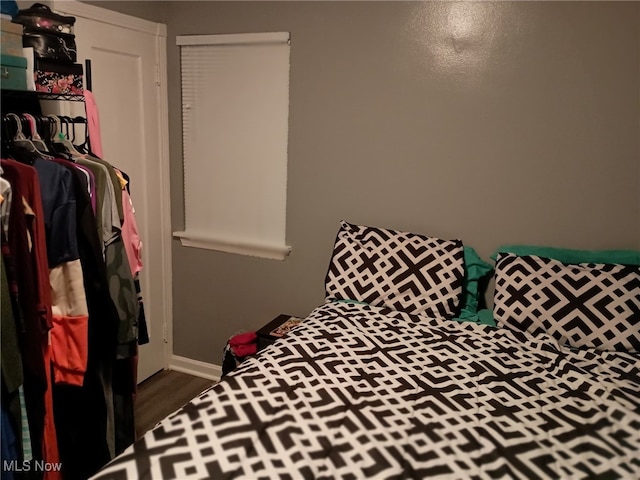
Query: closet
{"x": 93, "y": 421}
{"x": 128, "y": 70}
{"x": 72, "y": 314}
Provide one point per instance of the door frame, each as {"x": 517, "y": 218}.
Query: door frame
{"x": 159, "y": 30}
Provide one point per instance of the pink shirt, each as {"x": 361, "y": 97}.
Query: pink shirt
{"x": 130, "y": 235}
{"x": 93, "y": 124}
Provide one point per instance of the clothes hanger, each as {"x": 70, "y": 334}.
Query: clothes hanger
{"x": 19, "y": 140}
{"x": 7, "y": 133}
{"x": 36, "y": 139}
{"x": 57, "y": 138}
{"x": 63, "y": 138}
{"x": 70, "y": 124}
{"x": 84, "y": 146}
{"x": 18, "y": 147}
{"x": 58, "y": 148}
{"x": 28, "y": 130}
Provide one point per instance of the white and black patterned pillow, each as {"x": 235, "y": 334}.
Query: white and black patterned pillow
{"x": 580, "y": 305}
{"x": 404, "y": 271}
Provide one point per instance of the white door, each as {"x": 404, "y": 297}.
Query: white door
{"x": 127, "y": 55}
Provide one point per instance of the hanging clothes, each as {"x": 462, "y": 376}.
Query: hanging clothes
{"x": 69, "y": 332}
{"x": 133, "y": 248}
{"x": 115, "y": 381}
{"x": 93, "y": 124}
{"x": 75, "y": 303}
{"x": 10, "y": 319}
{"x": 59, "y": 205}
{"x": 12, "y": 378}
{"x": 27, "y": 244}
{"x": 121, "y": 282}
{"x": 91, "y": 425}
{"x": 133, "y": 244}
{"x": 124, "y": 296}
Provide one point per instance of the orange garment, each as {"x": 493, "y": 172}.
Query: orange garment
{"x": 50, "y": 452}
{"x": 70, "y": 331}
{"x": 69, "y": 349}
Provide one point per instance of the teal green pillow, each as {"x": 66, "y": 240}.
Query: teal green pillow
{"x": 475, "y": 269}
{"x": 565, "y": 255}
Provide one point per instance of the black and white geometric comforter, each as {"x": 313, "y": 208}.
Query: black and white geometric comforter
{"x": 363, "y": 392}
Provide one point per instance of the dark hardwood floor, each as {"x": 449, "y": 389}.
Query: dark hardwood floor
{"x": 162, "y": 394}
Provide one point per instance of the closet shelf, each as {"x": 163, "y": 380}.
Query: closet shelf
{"x": 43, "y": 95}
{"x": 60, "y": 96}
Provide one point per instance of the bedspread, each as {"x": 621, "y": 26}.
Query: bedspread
{"x": 364, "y": 392}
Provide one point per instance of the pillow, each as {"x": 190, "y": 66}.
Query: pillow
{"x": 401, "y": 270}
{"x": 580, "y": 305}
{"x": 475, "y": 270}
{"x": 566, "y": 255}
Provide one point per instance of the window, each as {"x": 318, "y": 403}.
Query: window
{"x": 235, "y": 116}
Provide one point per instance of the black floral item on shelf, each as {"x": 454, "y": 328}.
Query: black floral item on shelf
{"x": 50, "y": 77}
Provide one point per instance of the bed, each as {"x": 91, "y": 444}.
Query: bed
{"x": 387, "y": 385}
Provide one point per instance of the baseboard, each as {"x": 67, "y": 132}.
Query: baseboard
{"x": 195, "y": 367}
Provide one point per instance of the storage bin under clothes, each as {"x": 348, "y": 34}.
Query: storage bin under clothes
{"x": 59, "y": 78}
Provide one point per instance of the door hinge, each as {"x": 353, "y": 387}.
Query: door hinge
{"x": 157, "y": 74}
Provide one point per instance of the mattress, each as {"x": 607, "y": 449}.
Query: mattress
{"x": 358, "y": 391}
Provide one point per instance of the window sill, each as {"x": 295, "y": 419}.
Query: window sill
{"x": 209, "y": 242}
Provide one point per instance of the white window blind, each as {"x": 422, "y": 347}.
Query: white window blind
{"x": 235, "y": 116}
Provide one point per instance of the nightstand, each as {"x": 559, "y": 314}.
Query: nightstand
{"x": 265, "y": 338}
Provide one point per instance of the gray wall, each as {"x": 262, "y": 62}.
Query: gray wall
{"x": 490, "y": 122}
